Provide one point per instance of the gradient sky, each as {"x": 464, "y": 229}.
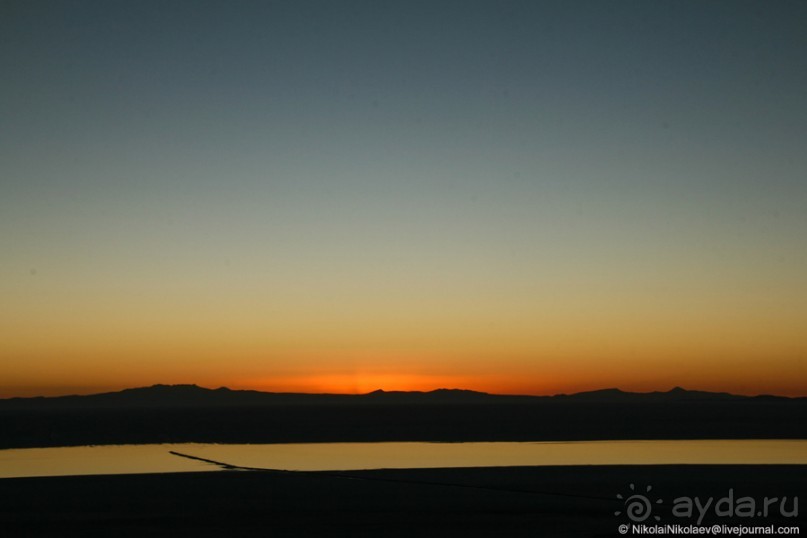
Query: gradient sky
{"x": 531, "y": 197}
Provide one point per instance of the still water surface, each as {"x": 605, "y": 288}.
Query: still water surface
{"x": 125, "y": 459}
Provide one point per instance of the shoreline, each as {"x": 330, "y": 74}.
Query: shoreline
{"x": 338, "y": 457}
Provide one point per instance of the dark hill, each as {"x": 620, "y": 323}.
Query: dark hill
{"x": 675, "y": 394}
{"x": 169, "y": 396}
{"x": 188, "y": 413}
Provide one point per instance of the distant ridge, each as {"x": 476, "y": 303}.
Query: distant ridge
{"x": 190, "y": 395}
{"x": 677, "y": 393}
{"x": 189, "y": 413}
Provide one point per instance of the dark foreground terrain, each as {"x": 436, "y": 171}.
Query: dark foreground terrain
{"x": 187, "y": 413}
{"x": 530, "y": 501}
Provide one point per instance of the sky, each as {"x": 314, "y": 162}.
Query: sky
{"x": 516, "y": 197}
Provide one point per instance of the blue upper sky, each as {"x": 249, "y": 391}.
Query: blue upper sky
{"x": 407, "y": 156}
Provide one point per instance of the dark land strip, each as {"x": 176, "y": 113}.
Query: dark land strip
{"x": 541, "y": 420}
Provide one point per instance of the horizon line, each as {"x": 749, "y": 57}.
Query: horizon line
{"x": 381, "y": 390}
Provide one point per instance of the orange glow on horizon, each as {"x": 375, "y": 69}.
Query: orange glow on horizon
{"x": 366, "y": 382}
{"x": 361, "y": 373}
{"x": 363, "y": 383}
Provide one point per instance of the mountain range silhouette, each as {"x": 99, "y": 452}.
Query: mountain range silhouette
{"x": 190, "y": 395}
{"x": 189, "y": 413}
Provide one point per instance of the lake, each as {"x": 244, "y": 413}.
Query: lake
{"x": 128, "y": 459}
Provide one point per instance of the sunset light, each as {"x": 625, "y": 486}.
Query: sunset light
{"x": 429, "y": 268}
{"x": 516, "y": 212}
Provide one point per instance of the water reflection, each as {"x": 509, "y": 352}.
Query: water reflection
{"x": 127, "y": 459}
